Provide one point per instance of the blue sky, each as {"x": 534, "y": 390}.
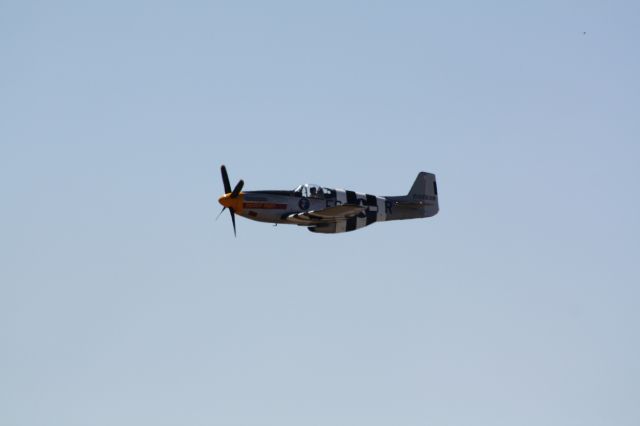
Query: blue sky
{"x": 123, "y": 301}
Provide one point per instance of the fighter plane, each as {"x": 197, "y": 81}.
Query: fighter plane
{"x": 328, "y": 210}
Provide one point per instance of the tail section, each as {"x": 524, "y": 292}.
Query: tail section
{"x": 425, "y": 184}
{"x": 425, "y": 192}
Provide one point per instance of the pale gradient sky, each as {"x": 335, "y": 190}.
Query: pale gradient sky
{"x": 123, "y": 302}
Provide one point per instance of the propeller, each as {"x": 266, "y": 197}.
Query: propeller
{"x": 232, "y": 194}
{"x": 237, "y": 189}
{"x": 225, "y": 179}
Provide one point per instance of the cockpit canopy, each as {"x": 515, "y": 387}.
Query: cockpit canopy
{"x": 311, "y": 190}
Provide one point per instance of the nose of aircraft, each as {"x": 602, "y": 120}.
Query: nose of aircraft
{"x": 225, "y": 200}
{"x": 234, "y": 203}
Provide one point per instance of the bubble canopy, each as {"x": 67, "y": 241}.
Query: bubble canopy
{"x": 311, "y": 190}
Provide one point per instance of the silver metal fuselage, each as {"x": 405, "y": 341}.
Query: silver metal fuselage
{"x": 278, "y": 206}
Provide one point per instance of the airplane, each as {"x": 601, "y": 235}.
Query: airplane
{"x": 327, "y": 210}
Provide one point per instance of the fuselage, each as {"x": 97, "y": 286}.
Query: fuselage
{"x": 277, "y": 206}
{"x": 328, "y": 210}
{"x": 283, "y": 207}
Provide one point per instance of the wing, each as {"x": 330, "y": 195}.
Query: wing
{"x": 328, "y": 215}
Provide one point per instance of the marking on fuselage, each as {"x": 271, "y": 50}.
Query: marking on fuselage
{"x": 382, "y": 212}
{"x": 361, "y": 200}
{"x": 372, "y": 209}
{"x": 304, "y": 203}
{"x": 264, "y": 206}
{"x": 351, "y": 197}
{"x": 388, "y": 205}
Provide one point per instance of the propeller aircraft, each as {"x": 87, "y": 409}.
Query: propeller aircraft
{"x": 328, "y": 210}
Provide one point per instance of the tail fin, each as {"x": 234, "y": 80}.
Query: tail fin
{"x": 425, "y": 191}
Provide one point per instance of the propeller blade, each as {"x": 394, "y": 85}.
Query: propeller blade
{"x": 233, "y": 220}
{"x": 225, "y": 179}
{"x": 221, "y": 211}
{"x": 237, "y": 189}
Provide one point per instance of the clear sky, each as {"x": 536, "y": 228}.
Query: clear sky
{"x": 123, "y": 302}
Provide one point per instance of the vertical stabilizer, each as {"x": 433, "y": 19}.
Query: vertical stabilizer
{"x": 425, "y": 191}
